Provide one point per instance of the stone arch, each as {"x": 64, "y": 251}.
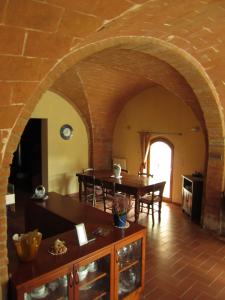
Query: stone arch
{"x": 200, "y": 83}
{"x": 186, "y": 65}
{"x": 183, "y": 62}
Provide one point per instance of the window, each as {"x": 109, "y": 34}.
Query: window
{"x": 160, "y": 163}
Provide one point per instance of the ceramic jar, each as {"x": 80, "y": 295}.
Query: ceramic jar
{"x": 117, "y": 170}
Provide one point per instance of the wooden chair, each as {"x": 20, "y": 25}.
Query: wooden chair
{"x": 131, "y": 197}
{"x": 108, "y": 194}
{"x": 152, "y": 199}
{"x": 92, "y": 187}
{"x": 89, "y": 189}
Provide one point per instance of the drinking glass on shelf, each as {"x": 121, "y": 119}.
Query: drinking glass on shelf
{"x": 131, "y": 253}
{"x": 123, "y": 256}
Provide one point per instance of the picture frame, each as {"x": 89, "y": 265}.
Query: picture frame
{"x": 81, "y": 234}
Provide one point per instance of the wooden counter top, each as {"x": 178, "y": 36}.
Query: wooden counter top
{"x": 59, "y": 210}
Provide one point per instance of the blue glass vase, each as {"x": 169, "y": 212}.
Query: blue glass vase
{"x": 120, "y": 220}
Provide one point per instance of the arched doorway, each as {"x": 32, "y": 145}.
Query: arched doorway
{"x": 161, "y": 163}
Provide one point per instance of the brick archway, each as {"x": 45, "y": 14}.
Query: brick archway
{"x": 196, "y": 77}
{"x": 200, "y": 83}
{"x": 193, "y": 73}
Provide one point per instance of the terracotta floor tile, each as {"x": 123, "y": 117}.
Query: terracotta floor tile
{"x": 221, "y": 294}
{"x": 204, "y": 296}
{"x": 219, "y": 283}
{"x": 156, "y": 294}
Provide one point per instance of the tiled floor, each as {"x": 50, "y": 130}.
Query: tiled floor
{"x": 183, "y": 261}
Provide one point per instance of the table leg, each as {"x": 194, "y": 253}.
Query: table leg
{"x": 80, "y": 188}
{"x": 136, "y": 210}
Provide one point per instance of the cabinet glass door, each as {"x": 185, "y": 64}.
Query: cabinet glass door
{"x": 54, "y": 290}
{"x": 129, "y": 267}
{"x": 94, "y": 279}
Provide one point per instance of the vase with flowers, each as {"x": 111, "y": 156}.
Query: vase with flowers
{"x": 119, "y": 210}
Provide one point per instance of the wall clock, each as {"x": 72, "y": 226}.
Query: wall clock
{"x": 66, "y": 132}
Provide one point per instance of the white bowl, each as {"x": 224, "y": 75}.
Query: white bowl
{"x": 39, "y": 291}
{"x": 92, "y": 267}
{"x": 82, "y": 273}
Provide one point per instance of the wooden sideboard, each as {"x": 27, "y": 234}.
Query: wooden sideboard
{"x": 118, "y": 257}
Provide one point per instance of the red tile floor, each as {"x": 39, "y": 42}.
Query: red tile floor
{"x": 183, "y": 261}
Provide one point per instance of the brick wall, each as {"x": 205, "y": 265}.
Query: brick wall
{"x": 98, "y": 55}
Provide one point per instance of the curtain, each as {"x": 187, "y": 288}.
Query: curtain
{"x": 145, "y": 147}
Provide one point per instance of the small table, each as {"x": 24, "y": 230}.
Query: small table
{"x": 135, "y": 185}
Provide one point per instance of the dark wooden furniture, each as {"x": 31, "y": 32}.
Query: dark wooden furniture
{"x": 154, "y": 198}
{"x": 118, "y": 257}
{"x": 192, "y": 196}
{"x": 130, "y": 184}
{"x": 92, "y": 188}
{"x": 60, "y": 213}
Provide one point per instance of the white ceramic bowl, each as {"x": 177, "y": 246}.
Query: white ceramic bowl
{"x": 92, "y": 267}
{"x": 82, "y": 273}
{"x": 39, "y": 290}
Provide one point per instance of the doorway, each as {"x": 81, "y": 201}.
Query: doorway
{"x": 26, "y": 171}
{"x": 161, "y": 162}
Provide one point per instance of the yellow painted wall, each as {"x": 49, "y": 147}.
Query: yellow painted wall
{"x": 65, "y": 157}
{"x": 155, "y": 109}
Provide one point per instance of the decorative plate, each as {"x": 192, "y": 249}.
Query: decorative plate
{"x": 66, "y": 132}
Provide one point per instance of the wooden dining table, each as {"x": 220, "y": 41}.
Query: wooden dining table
{"x": 135, "y": 185}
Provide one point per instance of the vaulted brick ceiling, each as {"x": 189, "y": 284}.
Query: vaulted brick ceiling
{"x": 102, "y": 84}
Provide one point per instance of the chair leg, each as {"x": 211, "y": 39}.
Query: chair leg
{"x": 94, "y": 199}
{"x": 160, "y": 206}
{"x": 153, "y": 219}
{"x": 85, "y": 194}
{"x": 129, "y": 203}
{"x": 104, "y": 204}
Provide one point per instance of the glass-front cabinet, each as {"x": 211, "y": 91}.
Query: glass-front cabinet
{"x": 93, "y": 279}
{"x": 60, "y": 288}
{"x": 129, "y": 269}
{"x": 112, "y": 272}
{"x": 90, "y": 280}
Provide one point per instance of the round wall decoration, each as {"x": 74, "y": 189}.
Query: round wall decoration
{"x": 66, "y": 132}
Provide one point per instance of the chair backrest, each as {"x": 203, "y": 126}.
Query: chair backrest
{"x": 108, "y": 187}
{"x": 145, "y": 174}
{"x": 89, "y": 181}
{"x": 158, "y": 189}
{"x": 88, "y": 169}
